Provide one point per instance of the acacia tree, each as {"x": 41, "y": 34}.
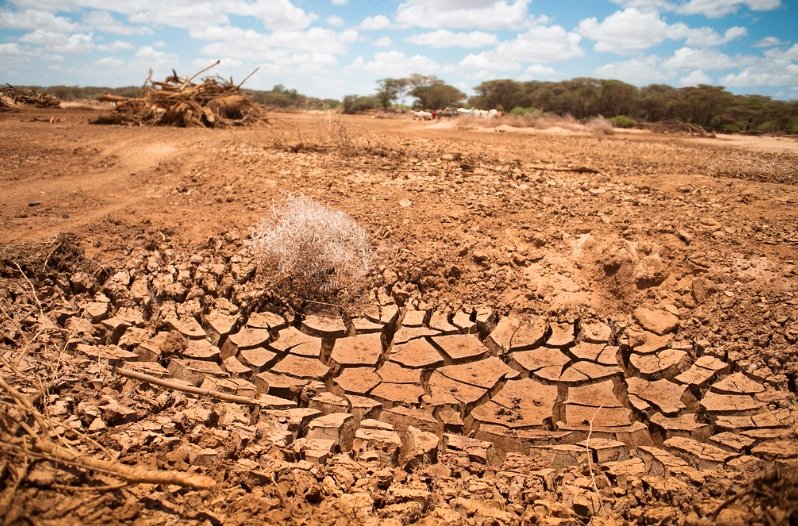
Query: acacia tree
{"x": 436, "y": 95}
{"x": 390, "y": 90}
{"x": 428, "y": 90}
{"x": 502, "y": 94}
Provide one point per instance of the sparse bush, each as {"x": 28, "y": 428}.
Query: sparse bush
{"x": 599, "y": 126}
{"x": 520, "y": 111}
{"x": 356, "y": 104}
{"x": 310, "y": 252}
{"x": 622, "y": 121}
{"x": 542, "y": 121}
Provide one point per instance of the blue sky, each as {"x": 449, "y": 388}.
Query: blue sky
{"x": 329, "y": 48}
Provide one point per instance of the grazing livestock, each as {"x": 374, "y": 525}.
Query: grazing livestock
{"x": 422, "y": 116}
{"x": 473, "y": 112}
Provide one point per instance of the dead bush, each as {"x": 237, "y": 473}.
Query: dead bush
{"x": 310, "y": 252}
{"x": 599, "y": 126}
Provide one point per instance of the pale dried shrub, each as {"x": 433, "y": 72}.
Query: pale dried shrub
{"x": 311, "y": 252}
{"x": 599, "y": 126}
{"x": 539, "y": 121}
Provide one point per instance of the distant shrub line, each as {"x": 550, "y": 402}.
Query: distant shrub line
{"x": 624, "y": 105}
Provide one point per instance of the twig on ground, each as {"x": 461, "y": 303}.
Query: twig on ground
{"x": 8, "y": 494}
{"x": 590, "y": 456}
{"x": 171, "y": 384}
{"x": 714, "y": 515}
{"x": 81, "y": 489}
{"x": 55, "y": 247}
{"x": 32, "y": 288}
{"x": 55, "y": 453}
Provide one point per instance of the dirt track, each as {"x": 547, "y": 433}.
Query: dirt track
{"x": 532, "y": 291}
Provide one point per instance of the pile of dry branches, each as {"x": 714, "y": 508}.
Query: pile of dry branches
{"x": 676, "y": 126}
{"x": 213, "y": 103}
{"x": 14, "y": 95}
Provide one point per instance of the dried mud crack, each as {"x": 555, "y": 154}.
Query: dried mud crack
{"x": 613, "y": 373}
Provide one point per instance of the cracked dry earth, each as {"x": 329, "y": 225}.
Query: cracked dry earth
{"x": 541, "y": 344}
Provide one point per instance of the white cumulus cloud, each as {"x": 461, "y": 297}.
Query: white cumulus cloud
{"x": 105, "y": 22}
{"x": 443, "y": 38}
{"x": 334, "y": 20}
{"x": 768, "y": 42}
{"x": 371, "y": 23}
{"x": 638, "y": 71}
{"x": 777, "y": 67}
{"x": 538, "y": 44}
{"x": 694, "y": 78}
{"x": 625, "y": 31}
{"x": 116, "y": 45}
{"x": 707, "y": 8}
{"x": 397, "y": 64}
{"x": 705, "y": 36}
{"x": 540, "y": 70}
{"x": 690, "y": 58}
{"x": 60, "y": 42}
{"x": 483, "y": 14}
{"x": 719, "y": 8}
{"x": 35, "y": 19}
{"x": 632, "y": 30}
{"x": 109, "y": 61}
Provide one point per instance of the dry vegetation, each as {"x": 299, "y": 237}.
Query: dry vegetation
{"x": 10, "y": 96}
{"x": 307, "y": 251}
{"x": 213, "y": 103}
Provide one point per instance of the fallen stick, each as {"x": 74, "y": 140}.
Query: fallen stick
{"x": 590, "y": 456}
{"x": 730, "y": 500}
{"x": 46, "y": 450}
{"x": 171, "y": 384}
{"x": 108, "y": 97}
{"x": 7, "y": 497}
{"x": 577, "y": 169}
{"x": 60, "y": 454}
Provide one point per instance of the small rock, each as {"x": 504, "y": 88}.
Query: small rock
{"x": 656, "y": 320}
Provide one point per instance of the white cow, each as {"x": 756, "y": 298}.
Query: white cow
{"x": 473, "y": 112}
{"x": 422, "y": 115}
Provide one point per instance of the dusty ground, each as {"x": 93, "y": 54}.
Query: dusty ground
{"x": 564, "y": 328}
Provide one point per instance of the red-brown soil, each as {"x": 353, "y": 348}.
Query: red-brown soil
{"x": 562, "y": 328}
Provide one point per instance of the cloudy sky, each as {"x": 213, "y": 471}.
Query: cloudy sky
{"x": 329, "y": 48}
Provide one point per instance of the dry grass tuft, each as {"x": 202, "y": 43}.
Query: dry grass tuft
{"x": 599, "y": 126}
{"x": 312, "y": 253}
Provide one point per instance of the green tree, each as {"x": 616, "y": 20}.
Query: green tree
{"x": 390, "y": 90}
{"x": 501, "y": 94}
{"x": 616, "y": 98}
{"x": 358, "y": 103}
{"x": 437, "y": 95}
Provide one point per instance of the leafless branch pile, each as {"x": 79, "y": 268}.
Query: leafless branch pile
{"x": 213, "y": 103}
{"x": 12, "y": 94}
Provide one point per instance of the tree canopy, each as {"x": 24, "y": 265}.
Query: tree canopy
{"x": 709, "y": 106}
{"x": 429, "y": 92}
